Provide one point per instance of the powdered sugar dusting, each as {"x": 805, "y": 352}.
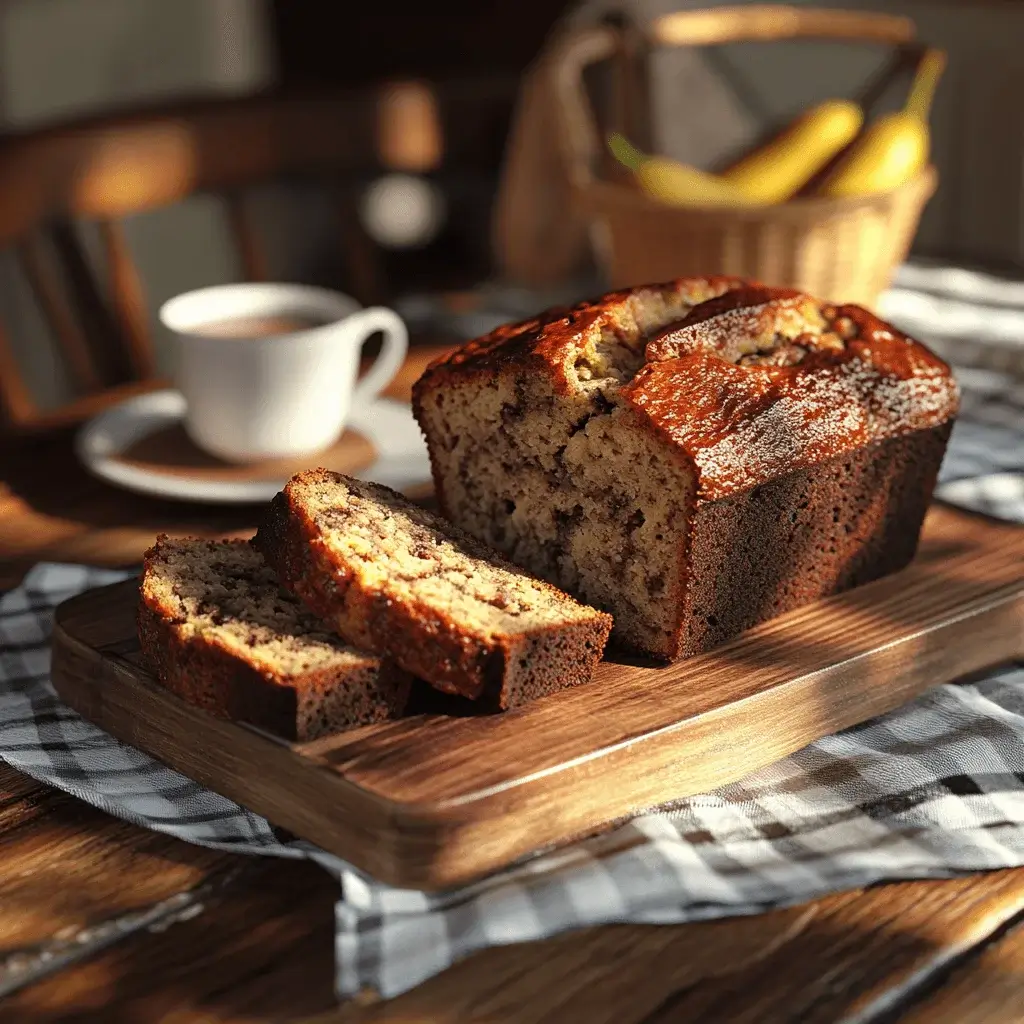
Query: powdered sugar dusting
{"x": 750, "y": 382}
{"x": 741, "y": 426}
{"x": 745, "y": 321}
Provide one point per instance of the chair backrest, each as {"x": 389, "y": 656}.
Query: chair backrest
{"x": 105, "y": 170}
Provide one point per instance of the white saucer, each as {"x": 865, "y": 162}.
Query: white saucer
{"x": 401, "y": 463}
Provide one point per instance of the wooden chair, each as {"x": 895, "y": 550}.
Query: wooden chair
{"x": 105, "y": 170}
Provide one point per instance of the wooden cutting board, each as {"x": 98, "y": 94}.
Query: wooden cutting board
{"x": 437, "y": 799}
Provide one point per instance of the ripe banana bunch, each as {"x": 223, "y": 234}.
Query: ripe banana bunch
{"x": 896, "y": 146}
{"x": 822, "y": 152}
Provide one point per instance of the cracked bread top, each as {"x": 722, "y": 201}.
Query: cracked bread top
{"x": 746, "y": 382}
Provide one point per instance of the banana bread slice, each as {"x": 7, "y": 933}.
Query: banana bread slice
{"x": 221, "y": 633}
{"x": 396, "y": 579}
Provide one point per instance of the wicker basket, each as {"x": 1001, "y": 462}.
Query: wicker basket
{"x": 840, "y": 249}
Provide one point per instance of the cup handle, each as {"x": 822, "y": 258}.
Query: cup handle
{"x": 392, "y": 353}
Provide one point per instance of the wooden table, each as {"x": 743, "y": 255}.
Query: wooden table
{"x": 101, "y": 920}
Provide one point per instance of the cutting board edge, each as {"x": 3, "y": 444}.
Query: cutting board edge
{"x": 439, "y": 843}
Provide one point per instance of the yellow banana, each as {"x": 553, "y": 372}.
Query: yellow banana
{"x": 671, "y": 182}
{"x": 772, "y": 173}
{"x": 778, "y": 170}
{"x": 895, "y": 147}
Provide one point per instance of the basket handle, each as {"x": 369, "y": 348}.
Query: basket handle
{"x": 564, "y": 63}
{"x": 563, "y": 67}
{"x": 768, "y": 22}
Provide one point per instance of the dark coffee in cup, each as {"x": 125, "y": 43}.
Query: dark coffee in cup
{"x": 257, "y": 326}
{"x": 288, "y": 390}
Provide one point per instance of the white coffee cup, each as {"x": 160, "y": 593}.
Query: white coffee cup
{"x": 268, "y": 396}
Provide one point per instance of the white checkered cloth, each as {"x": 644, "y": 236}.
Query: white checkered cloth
{"x": 931, "y": 790}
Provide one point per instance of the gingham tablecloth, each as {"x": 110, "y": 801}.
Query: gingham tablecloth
{"x": 931, "y": 790}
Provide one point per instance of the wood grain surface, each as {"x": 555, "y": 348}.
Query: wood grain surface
{"x": 130, "y": 927}
{"x": 435, "y": 800}
{"x": 104, "y": 921}
{"x": 988, "y": 987}
{"x": 857, "y": 956}
{"x": 92, "y": 907}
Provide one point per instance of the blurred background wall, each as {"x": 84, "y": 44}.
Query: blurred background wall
{"x": 60, "y": 59}
{"x": 65, "y": 59}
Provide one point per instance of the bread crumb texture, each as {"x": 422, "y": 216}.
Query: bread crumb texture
{"x": 224, "y": 590}
{"x": 581, "y": 442}
{"x": 221, "y": 632}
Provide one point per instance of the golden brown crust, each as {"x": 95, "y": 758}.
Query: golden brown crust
{"x": 806, "y": 535}
{"x": 740, "y": 423}
{"x": 502, "y": 671}
{"x": 551, "y": 341}
{"x": 762, "y": 398}
{"x": 206, "y": 673}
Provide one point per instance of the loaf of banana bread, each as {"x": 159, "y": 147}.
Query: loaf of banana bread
{"x": 398, "y": 580}
{"x": 219, "y": 631}
{"x": 693, "y": 457}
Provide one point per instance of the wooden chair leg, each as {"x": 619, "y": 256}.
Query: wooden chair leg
{"x": 16, "y": 402}
{"x": 52, "y": 299}
{"x": 251, "y": 251}
{"x": 128, "y": 298}
{"x": 360, "y": 254}
{"x": 98, "y": 323}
